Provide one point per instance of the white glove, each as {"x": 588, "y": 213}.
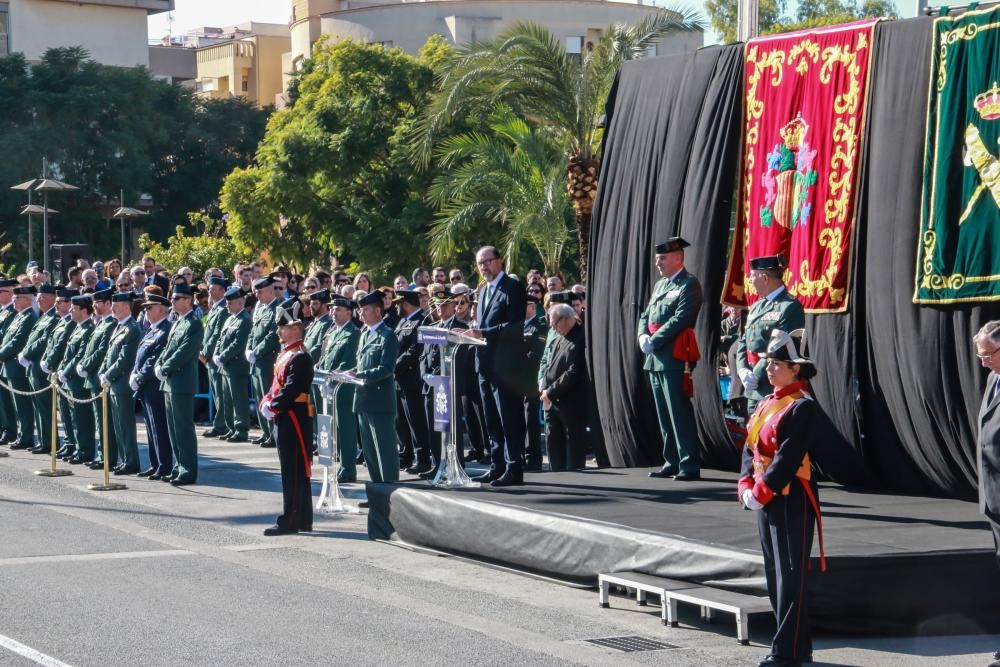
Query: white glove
{"x": 751, "y": 502}
{"x": 102, "y": 378}
{"x": 645, "y": 344}
{"x": 217, "y": 360}
{"x": 265, "y": 409}
{"x": 158, "y": 372}
{"x": 251, "y": 357}
{"x": 44, "y": 366}
{"x": 62, "y": 377}
{"x": 79, "y": 371}
{"x": 133, "y": 382}
{"x": 748, "y": 378}
{"x": 24, "y": 362}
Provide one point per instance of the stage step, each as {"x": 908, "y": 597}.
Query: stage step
{"x": 672, "y": 591}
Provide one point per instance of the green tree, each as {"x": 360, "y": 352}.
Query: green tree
{"x": 808, "y": 14}
{"x": 202, "y": 244}
{"x": 331, "y": 177}
{"x": 511, "y": 178}
{"x": 527, "y": 69}
{"x": 724, "y": 15}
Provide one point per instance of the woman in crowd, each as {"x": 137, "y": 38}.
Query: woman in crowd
{"x": 363, "y": 282}
{"x": 776, "y": 481}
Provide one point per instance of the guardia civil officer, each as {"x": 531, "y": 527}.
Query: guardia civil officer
{"x": 375, "y": 401}
{"x": 49, "y": 364}
{"x": 88, "y": 365}
{"x": 177, "y": 368}
{"x": 262, "y": 348}
{"x": 114, "y": 373}
{"x": 8, "y": 416}
{"x": 411, "y": 422}
{"x": 30, "y": 358}
{"x": 777, "y": 482}
{"x": 235, "y": 369}
{"x": 216, "y": 319}
{"x": 775, "y": 309}
{"x": 536, "y": 333}
{"x": 672, "y": 311}
{"x": 288, "y": 405}
{"x": 74, "y": 384}
{"x": 14, "y": 373}
{"x": 340, "y": 353}
{"x": 316, "y": 329}
{"x": 146, "y": 386}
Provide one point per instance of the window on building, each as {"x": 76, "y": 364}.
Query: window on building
{"x": 574, "y": 44}
{"x": 4, "y": 28}
{"x": 246, "y": 86}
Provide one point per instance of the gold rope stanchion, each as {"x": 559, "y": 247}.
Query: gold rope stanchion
{"x": 108, "y": 485}
{"x": 53, "y": 471}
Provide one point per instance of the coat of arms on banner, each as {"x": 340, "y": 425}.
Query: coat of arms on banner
{"x": 805, "y": 95}
{"x": 958, "y": 258}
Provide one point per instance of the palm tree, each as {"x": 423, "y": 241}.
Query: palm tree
{"x": 527, "y": 69}
{"x": 511, "y": 177}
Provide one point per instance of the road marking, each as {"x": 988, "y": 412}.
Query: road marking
{"x": 31, "y": 654}
{"x": 72, "y": 558}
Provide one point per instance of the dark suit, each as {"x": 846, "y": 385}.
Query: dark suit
{"x": 988, "y": 457}
{"x": 501, "y": 319}
{"x": 536, "y": 332}
{"x": 411, "y": 421}
{"x": 154, "y": 409}
{"x": 568, "y": 387}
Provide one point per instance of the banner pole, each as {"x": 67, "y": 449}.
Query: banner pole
{"x": 108, "y": 485}
{"x": 53, "y": 471}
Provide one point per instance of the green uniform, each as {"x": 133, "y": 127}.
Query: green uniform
{"x": 235, "y": 372}
{"x": 313, "y": 341}
{"x": 550, "y": 340}
{"x": 15, "y": 375}
{"x": 672, "y": 309}
{"x": 8, "y": 417}
{"x": 42, "y": 334}
{"x": 263, "y": 344}
{"x": 375, "y": 402}
{"x": 116, "y": 369}
{"x": 83, "y": 413}
{"x": 51, "y": 360}
{"x": 782, "y": 312}
{"x": 177, "y": 366}
{"x": 88, "y": 365}
{"x": 214, "y": 322}
{"x": 340, "y": 353}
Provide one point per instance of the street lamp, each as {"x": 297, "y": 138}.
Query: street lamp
{"x": 44, "y": 185}
{"x": 32, "y": 210}
{"x": 125, "y": 213}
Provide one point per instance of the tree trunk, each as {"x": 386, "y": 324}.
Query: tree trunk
{"x": 581, "y": 184}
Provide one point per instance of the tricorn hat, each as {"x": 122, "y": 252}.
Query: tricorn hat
{"x": 373, "y": 299}
{"x": 788, "y": 346}
{"x": 409, "y": 296}
{"x": 672, "y": 244}
{"x": 289, "y": 312}
{"x": 769, "y": 262}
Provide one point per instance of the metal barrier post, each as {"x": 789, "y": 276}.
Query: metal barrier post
{"x": 108, "y": 484}
{"x": 54, "y": 471}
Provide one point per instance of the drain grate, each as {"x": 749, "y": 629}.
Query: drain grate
{"x": 631, "y": 644}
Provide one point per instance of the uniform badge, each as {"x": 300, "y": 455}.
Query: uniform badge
{"x": 674, "y": 293}
{"x": 771, "y": 317}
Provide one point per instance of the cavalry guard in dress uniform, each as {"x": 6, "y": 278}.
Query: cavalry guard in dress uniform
{"x": 73, "y": 382}
{"x": 31, "y": 357}
{"x": 88, "y": 365}
{"x": 235, "y": 369}
{"x": 217, "y": 316}
{"x": 177, "y": 368}
{"x": 375, "y": 401}
{"x": 147, "y": 387}
{"x": 775, "y": 309}
{"x": 49, "y": 365}
{"x": 14, "y": 373}
{"x": 340, "y": 352}
{"x": 668, "y": 319}
{"x": 8, "y": 417}
{"x": 776, "y": 481}
{"x": 289, "y": 406}
{"x": 114, "y": 373}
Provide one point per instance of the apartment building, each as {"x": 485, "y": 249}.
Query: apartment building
{"x": 248, "y": 63}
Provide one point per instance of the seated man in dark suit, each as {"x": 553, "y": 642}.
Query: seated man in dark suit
{"x": 987, "y": 342}
{"x": 500, "y": 322}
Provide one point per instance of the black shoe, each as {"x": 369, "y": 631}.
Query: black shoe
{"x": 268, "y": 444}
{"x": 96, "y": 465}
{"x": 181, "y": 482}
{"x": 210, "y": 433}
{"x": 279, "y": 530}
{"x": 148, "y": 473}
{"x": 168, "y": 478}
{"x": 532, "y": 467}
{"x": 687, "y": 476}
{"x": 126, "y": 471}
{"x": 236, "y": 438}
{"x": 487, "y": 477}
{"x": 346, "y": 479}
{"x": 663, "y": 472}
{"x": 257, "y": 441}
{"x": 363, "y": 505}
{"x": 428, "y": 474}
{"x": 76, "y": 460}
{"x": 41, "y": 450}
{"x": 418, "y": 468}
{"x": 21, "y": 445}
{"x": 155, "y": 476}
{"x": 62, "y": 451}
{"x": 405, "y": 463}
{"x": 509, "y": 478}
{"x": 778, "y": 661}
{"x": 996, "y": 655}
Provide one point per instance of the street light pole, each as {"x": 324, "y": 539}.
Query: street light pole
{"x": 747, "y": 20}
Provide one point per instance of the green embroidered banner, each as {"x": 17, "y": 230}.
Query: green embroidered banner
{"x": 959, "y": 255}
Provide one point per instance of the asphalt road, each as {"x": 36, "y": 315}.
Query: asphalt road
{"x": 157, "y": 575}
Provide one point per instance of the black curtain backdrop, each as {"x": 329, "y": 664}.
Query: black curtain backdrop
{"x": 670, "y": 158}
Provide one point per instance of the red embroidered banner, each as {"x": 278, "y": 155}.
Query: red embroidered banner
{"x": 804, "y": 112}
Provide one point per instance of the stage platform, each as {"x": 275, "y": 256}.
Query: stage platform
{"x": 895, "y": 564}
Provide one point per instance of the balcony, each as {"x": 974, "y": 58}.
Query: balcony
{"x": 151, "y": 6}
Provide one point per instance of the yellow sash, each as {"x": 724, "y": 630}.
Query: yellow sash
{"x": 760, "y": 417}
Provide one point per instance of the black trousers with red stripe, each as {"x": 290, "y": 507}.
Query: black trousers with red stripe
{"x": 786, "y": 526}
{"x": 294, "y": 453}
